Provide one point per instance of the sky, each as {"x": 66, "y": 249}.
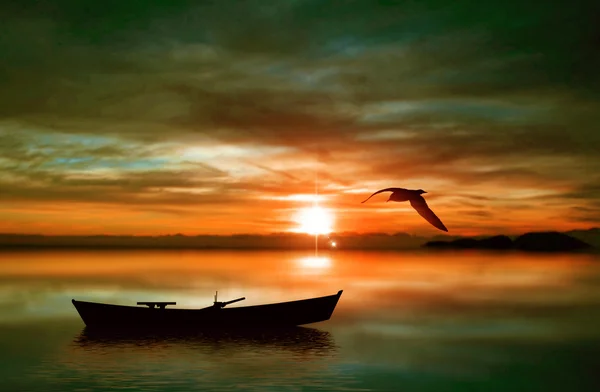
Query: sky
{"x": 220, "y": 117}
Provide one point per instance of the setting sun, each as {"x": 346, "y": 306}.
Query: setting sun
{"x": 315, "y": 220}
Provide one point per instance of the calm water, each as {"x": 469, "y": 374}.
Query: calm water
{"x": 462, "y": 321}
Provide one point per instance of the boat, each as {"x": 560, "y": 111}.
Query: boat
{"x": 154, "y": 314}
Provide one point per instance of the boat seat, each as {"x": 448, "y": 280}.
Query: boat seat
{"x": 161, "y": 305}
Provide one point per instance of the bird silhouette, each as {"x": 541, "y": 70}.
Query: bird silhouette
{"x": 416, "y": 201}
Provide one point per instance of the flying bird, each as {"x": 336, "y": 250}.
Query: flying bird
{"x": 416, "y": 201}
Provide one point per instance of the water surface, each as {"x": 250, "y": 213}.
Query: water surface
{"x": 406, "y": 321}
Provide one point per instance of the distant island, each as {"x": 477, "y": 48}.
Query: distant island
{"x": 572, "y": 240}
{"x": 550, "y": 241}
{"x": 275, "y": 241}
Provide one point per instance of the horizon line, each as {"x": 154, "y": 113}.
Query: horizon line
{"x": 288, "y": 233}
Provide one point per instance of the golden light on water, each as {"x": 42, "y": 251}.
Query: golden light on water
{"x": 316, "y": 262}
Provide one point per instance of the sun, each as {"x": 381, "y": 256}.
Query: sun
{"x": 315, "y": 220}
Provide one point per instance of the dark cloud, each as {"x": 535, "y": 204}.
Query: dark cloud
{"x": 478, "y": 96}
{"x": 588, "y": 190}
{"x": 477, "y": 213}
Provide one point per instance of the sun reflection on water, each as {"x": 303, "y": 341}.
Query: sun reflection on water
{"x": 315, "y": 262}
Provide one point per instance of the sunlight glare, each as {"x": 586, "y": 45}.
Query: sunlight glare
{"x": 315, "y": 262}
{"x": 315, "y": 220}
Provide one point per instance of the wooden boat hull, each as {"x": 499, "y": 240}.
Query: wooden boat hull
{"x": 283, "y": 314}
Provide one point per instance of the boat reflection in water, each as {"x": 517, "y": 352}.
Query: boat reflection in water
{"x": 294, "y": 340}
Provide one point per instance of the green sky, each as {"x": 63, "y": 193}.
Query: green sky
{"x": 205, "y": 116}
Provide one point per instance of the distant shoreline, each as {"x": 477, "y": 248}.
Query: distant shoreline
{"x": 550, "y": 241}
{"x": 276, "y": 241}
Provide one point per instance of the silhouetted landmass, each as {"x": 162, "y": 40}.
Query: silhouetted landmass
{"x": 590, "y": 236}
{"x": 496, "y": 242}
{"x": 288, "y": 241}
{"x": 549, "y": 241}
{"x": 293, "y": 241}
{"x": 538, "y": 241}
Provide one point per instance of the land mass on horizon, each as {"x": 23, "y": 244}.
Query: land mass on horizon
{"x": 550, "y": 241}
{"x": 341, "y": 241}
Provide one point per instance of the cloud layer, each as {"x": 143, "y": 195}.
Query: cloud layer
{"x": 199, "y": 117}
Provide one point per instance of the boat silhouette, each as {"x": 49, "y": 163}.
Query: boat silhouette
{"x": 156, "y": 315}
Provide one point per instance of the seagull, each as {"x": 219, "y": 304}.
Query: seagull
{"x": 416, "y": 201}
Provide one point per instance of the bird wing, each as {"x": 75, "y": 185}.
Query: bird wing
{"x": 383, "y": 190}
{"x": 423, "y": 209}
